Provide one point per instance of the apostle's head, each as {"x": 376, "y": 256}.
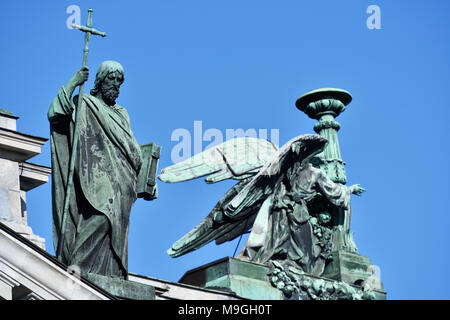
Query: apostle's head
{"x": 109, "y": 78}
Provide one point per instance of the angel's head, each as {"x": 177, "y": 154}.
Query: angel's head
{"x": 308, "y": 145}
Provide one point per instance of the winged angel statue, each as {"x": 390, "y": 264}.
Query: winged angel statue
{"x": 272, "y": 199}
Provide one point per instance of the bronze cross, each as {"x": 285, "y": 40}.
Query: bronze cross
{"x": 88, "y": 30}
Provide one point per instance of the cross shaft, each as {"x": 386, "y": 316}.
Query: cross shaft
{"x": 88, "y": 30}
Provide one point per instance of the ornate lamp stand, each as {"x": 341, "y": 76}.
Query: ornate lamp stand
{"x": 325, "y": 105}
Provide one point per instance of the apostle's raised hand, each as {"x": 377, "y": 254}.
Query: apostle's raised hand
{"x": 81, "y": 76}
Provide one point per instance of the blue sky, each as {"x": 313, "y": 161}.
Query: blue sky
{"x": 242, "y": 64}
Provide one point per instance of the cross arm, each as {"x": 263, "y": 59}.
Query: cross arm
{"x": 90, "y": 30}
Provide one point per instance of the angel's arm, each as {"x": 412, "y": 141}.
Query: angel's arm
{"x": 338, "y": 194}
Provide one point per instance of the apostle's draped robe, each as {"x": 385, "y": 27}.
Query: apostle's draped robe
{"x": 108, "y": 160}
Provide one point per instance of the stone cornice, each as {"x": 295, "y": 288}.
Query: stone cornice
{"x": 18, "y": 146}
{"x": 33, "y": 175}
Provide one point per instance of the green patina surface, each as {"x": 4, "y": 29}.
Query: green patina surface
{"x": 261, "y": 282}
{"x": 295, "y": 204}
{"x": 96, "y": 170}
{"x": 123, "y": 289}
{"x": 245, "y": 279}
{"x": 6, "y": 112}
{"x": 293, "y": 200}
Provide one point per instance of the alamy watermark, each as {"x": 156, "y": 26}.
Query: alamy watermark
{"x": 374, "y": 20}
{"x": 373, "y": 282}
{"x": 74, "y": 15}
{"x": 73, "y": 278}
{"x": 191, "y": 144}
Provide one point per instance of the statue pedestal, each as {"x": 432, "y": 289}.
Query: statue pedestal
{"x": 251, "y": 281}
{"x": 245, "y": 279}
{"x": 351, "y": 268}
{"x": 123, "y": 289}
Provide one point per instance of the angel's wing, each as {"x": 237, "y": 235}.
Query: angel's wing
{"x": 212, "y": 227}
{"x": 222, "y": 227}
{"x": 298, "y": 149}
{"x": 236, "y": 212}
{"x": 238, "y": 158}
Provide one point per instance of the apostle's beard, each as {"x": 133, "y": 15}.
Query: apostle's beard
{"x": 110, "y": 94}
